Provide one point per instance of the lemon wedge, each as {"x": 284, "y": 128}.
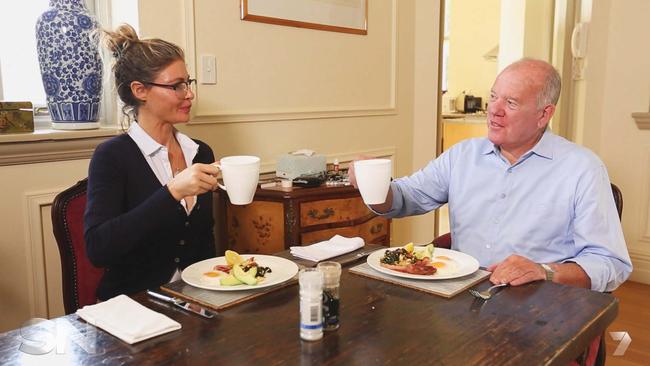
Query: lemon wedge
{"x": 233, "y": 258}
{"x": 409, "y": 247}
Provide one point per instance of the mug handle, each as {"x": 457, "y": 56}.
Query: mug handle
{"x": 218, "y": 165}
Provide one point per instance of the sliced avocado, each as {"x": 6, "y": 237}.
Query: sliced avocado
{"x": 245, "y": 277}
{"x": 430, "y": 248}
{"x": 230, "y": 280}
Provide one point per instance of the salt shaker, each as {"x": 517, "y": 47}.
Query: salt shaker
{"x": 331, "y": 281}
{"x": 311, "y": 313}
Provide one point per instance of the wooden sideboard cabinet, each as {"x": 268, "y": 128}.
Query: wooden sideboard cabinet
{"x": 279, "y": 218}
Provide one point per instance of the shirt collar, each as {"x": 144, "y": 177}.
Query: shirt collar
{"x": 149, "y": 146}
{"x": 146, "y": 143}
{"x": 189, "y": 147}
{"x": 543, "y": 148}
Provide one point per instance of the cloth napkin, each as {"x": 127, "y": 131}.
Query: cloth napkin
{"x": 127, "y": 320}
{"x": 337, "y": 245}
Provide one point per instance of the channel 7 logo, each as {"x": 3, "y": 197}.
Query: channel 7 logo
{"x": 624, "y": 339}
{"x": 41, "y": 336}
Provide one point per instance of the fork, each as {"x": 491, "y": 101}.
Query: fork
{"x": 486, "y": 294}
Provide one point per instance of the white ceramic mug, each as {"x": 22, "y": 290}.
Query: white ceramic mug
{"x": 240, "y": 176}
{"x": 373, "y": 179}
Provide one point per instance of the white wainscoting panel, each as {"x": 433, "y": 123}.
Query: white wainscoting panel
{"x": 43, "y": 266}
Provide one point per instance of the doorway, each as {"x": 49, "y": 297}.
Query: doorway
{"x": 469, "y": 66}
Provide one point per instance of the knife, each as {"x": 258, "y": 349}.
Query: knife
{"x": 187, "y": 306}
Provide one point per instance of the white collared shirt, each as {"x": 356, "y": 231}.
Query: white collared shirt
{"x": 157, "y": 155}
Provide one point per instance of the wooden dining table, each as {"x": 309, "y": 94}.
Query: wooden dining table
{"x": 540, "y": 323}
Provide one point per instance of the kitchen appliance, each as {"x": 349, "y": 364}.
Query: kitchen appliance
{"x": 468, "y": 103}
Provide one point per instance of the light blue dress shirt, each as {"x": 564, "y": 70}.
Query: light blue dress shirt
{"x": 554, "y": 204}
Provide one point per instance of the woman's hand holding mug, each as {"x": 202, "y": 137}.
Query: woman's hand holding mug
{"x": 195, "y": 180}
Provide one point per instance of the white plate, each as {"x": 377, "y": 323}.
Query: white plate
{"x": 281, "y": 270}
{"x": 466, "y": 264}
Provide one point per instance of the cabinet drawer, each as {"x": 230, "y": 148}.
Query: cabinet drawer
{"x": 256, "y": 228}
{"x": 332, "y": 211}
{"x": 374, "y": 231}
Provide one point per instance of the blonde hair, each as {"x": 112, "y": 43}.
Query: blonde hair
{"x": 137, "y": 60}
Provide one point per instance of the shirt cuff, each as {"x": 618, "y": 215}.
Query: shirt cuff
{"x": 603, "y": 274}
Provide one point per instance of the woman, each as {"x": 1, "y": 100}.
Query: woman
{"x": 149, "y": 210}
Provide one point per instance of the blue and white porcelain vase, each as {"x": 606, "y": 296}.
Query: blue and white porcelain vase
{"x": 71, "y": 68}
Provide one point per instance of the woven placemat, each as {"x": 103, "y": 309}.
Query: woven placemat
{"x": 445, "y": 288}
{"x": 218, "y": 300}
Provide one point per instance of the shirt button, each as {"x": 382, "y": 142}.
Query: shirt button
{"x": 496, "y": 221}
{"x": 187, "y": 223}
{"x": 488, "y": 246}
{"x": 182, "y": 242}
{"x": 503, "y": 195}
{"x": 177, "y": 260}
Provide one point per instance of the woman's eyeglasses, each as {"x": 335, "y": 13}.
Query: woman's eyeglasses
{"x": 180, "y": 88}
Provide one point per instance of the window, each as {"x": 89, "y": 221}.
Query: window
{"x": 20, "y": 76}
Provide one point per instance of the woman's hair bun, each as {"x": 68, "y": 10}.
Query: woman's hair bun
{"x": 120, "y": 39}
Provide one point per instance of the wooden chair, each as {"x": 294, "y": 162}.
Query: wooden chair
{"x": 444, "y": 241}
{"x": 80, "y": 277}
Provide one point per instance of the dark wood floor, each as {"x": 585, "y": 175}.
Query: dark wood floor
{"x": 633, "y": 318}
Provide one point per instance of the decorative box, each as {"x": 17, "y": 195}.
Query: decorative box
{"x": 291, "y": 166}
{"x": 16, "y": 117}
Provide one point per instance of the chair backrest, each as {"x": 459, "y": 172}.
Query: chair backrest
{"x": 444, "y": 241}
{"x": 618, "y": 199}
{"x": 80, "y": 277}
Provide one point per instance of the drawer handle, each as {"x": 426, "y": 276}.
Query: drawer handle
{"x": 313, "y": 213}
{"x": 376, "y": 229}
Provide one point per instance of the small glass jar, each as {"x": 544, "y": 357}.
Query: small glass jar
{"x": 331, "y": 300}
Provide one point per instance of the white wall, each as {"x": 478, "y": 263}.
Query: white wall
{"x": 616, "y": 84}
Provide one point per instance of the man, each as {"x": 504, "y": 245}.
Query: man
{"x": 528, "y": 204}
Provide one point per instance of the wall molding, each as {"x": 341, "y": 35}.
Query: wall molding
{"x": 641, "y": 263}
{"x": 644, "y": 223}
{"x": 54, "y": 146}
{"x": 216, "y": 117}
{"x": 642, "y": 120}
{"x": 34, "y": 250}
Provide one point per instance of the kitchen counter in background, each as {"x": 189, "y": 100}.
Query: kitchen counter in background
{"x": 464, "y": 117}
{"x": 459, "y": 126}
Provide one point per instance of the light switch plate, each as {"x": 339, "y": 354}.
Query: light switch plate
{"x": 208, "y": 69}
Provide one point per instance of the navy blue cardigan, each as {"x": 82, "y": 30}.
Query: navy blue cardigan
{"x": 134, "y": 228}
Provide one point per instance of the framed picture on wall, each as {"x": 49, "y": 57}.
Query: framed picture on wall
{"x": 347, "y": 16}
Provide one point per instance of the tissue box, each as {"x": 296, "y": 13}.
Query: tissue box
{"x": 16, "y": 117}
{"x": 292, "y": 166}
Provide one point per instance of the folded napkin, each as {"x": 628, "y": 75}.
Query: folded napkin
{"x": 337, "y": 245}
{"x": 127, "y": 320}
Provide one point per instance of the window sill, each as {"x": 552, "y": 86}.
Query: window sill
{"x": 47, "y": 145}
